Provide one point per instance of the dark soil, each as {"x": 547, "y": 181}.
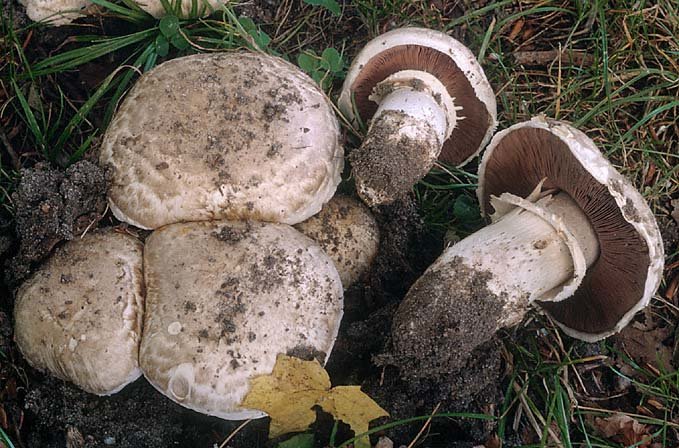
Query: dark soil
{"x": 52, "y": 206}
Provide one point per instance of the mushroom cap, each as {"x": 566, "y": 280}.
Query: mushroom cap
{"x": 222, "y": 135}
{"x": 223, "y": 300}
{"x": 348, "y": 233}
{"x": 54, "y": 12}
{"x": 190, "y": 8}
{"x": 79, "y": 315}
{"x": 444, "y": 57}
{"x": 628, "y": 270}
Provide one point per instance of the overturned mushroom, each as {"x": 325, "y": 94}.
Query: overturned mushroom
{"x": 427, "y": 98}
{"x": 79, "y": 315}
{"x": 568, "y": 232}
{"x": 222, "y": 135}
{"x": 348, "y": 233}
{"x": 223, "y": 300}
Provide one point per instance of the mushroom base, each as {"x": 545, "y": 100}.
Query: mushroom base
{"x": 488, "y": 280}
{"x": 398, "y": 151}
{"x": 434, "y": 333}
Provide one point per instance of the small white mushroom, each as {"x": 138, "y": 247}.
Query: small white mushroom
{"x": 348, "y": 233}
{"x": 79, "y": 315}
{"x": 63, "y": 12}
{"x": 222, "y": 136}
{"x": 223, "y": 300}
{"x": 427, "y": 98}
{"x": 583, "y": 244}
{"x": 55, "y": 12}
{"x": 189, "y": 8}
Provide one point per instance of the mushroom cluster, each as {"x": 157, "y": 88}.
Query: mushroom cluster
{"x": 219, "y": 154}
{"x": 232, "y": 160}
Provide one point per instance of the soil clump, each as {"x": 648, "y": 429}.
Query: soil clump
{"x": 52, "y": 206}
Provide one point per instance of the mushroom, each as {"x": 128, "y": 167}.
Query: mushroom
{"x": 347, "y": 231}
{"x": 63, "y": 12}
{"x": 569, "y": 232}
{"x": 222, "y": 135}
{"x": 427, "y": 98}
{"x": 189, "y": 8}
{"x": 55, "y": 12}
{"x": 223, "y": 300}
{"x": 79, "y": 315}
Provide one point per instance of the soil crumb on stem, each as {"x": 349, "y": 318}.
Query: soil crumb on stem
{"x": 389, "y": 163}
{"x": 447, "y": 314}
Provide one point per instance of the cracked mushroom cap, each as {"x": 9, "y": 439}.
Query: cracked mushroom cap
{"x": 628, "y": 270}
{"x": 348, "y": 233}
{"x": 223, "y": 300}
{"x": 79, "y": 316}
{"x": 222, "y": 136}
{"x": 55, "y": 12}
{"x": 440, "y": 55}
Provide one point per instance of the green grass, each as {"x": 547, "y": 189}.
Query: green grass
{"x": 4, "y": 439}
{"x": 614, "y": 74}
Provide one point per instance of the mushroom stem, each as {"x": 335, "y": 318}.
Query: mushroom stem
{"x": 415, "y": 115}
{"x": 528, "y": 253}
{"x": 534, "y": 251}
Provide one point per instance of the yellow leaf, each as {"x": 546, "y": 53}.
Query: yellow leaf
{"x": 353, "y": 407}
{"x": 295, "y": 386}
{"x": 288, "y": 394}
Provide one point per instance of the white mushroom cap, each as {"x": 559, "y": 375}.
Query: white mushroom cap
{"x": 404, "y": 49}
{"x": 222, "y": 135}
{"x": 629, "y": 268}
{"x": 79, "y": 315}
{"x": 348, "y": 233}
{"x": 190, "y": 8}
{"x": 223, "y": 299}
{"x": 54, "y": 12}
{"x": 63, "y": 12}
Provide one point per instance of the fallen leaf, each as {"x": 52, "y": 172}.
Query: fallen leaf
{"x": 643, "y": 342}
{"x": 288, "y": 394}
{"x": 493, "y": 442}
{"x": 295, "y": 386}
{"x": 516, "y": 29}
{"x": 623, "y": 429}
{"x": 675, "y": 209}
{"x": 353, "y": 407}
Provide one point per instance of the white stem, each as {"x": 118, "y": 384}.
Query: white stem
{"x": 421, "y": 96}
{"x": 530, "y": 253}
{"x": 418, "y": 106}
{"x": 415, "y": 115}
{"x": 533, "y": 251}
